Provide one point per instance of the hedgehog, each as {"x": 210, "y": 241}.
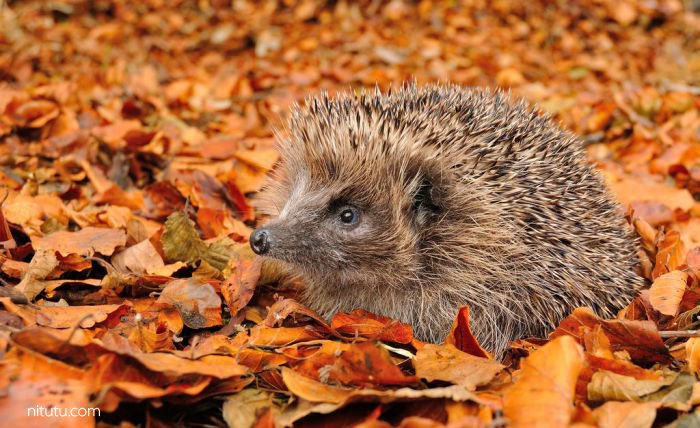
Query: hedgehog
{"x": 416, "y": 202}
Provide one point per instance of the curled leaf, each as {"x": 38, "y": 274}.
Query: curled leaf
{"x": 666, "y": 292}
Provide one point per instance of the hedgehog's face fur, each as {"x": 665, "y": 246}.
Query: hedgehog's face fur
{"x": 337, "y": 223}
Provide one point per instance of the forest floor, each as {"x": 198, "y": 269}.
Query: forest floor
{"x": 134, "y": 136}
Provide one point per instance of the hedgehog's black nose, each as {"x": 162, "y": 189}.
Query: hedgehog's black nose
{"x": 260, "y": 241}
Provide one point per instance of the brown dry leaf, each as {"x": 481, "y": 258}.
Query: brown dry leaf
{"x": 666, "y": 292}
{"x": 614, "y": 414}
{"x": 73, "y": 316}
{"x": 238, "y": 288}
{"x": 216, "y": 223}
{"x": 152, "y": 338}
{"x": 42, "y": 264}
{"x": 173, "y": 366}
{"x": 608, "y": 386}
{"x": 198, "y": 303}
{"x": 670, "y": 255}
{"x": 36, "y": 113}
{"x": 115, "y": 379}
{"x": 306, "y": 407}
{"x": 313, "y": 390}
{"x": 544, "y": 389}
{"x": 654, "y": 213}
{"x": 363, "y": 364}
{"x": 163, "y": 199}
{"x": 139, "y": 259}
{"x": 257, "y": 360}
{"x": 365, "y": 324}
{"x": 639, "y": 338}
{"x": 32, "y": 211}
{"x": 282, "y": 309}
{"x": 245, "y": 408}
{"x": 85, "y": 242}
{"x": 24, "y": 312}
{"x": 449, "y": 364}
{"x": 33, "y": 382}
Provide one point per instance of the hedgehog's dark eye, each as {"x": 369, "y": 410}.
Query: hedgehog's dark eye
{"x": 349, "y": 215}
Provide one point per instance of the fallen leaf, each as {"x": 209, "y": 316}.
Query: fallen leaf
{"x": 614, "y": 414}
{"x": 281, "y": 336}
{"x": 461, "y": 335}
{"x": 639, "y": 338}
{"x": 692, "y": 354}
{"x": 608, "y": 386}
{"x": 313, "y": 390}
{"x": 365, "y": 324}
{"x": 139, "y": 259}
{"x": 238, "y": 288}
{"x": 543, "y": 392}
{"x": 630, "y": 190}
{"x": 34, "y": 383}
{"x": 85, "y": 242}
{"x": 72, "y": 316}
{"x": 245, "y": 408}
{"x": 666, "y": 292}
{"x": 181, "y": 242}
{"x": 197, "y": 302}
{"x": 42, "y": 264}
{"x": 263, "y": 159}
{"x": 671, "y": 254}
{"x": 449, "y": 364}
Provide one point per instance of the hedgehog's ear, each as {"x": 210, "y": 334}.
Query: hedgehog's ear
{"x": 426, "y": 200}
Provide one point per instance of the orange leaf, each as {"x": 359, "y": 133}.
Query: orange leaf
{"x": 666, "y": 292}
{"x": 71, "y": 316}
{"x": 544, "y": 390}
{"x": 447, "y": 363}
{"x": 639, "y": 338}
{"x": 670, "y": 254}
{"x": 281, "y": 336}
{"x": 239, "y": 286}
{"x": 313, "y": 390}
{"x": 33, "y": 382}
{"x": 615, "y": 414}
{"x": 692, "y": 354}
{"x": 197, "y": 302}
{"x": 139, "y": 259}
{"x": 365, "y": 324}
{"x": 363, "y": 364}
{"x": 85, "y": 242}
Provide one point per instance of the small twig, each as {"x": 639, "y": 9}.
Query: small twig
{"x": 679, "y": 333}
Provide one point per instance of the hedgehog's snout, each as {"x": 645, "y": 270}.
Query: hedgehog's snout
{"x": 260, "y": 241}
